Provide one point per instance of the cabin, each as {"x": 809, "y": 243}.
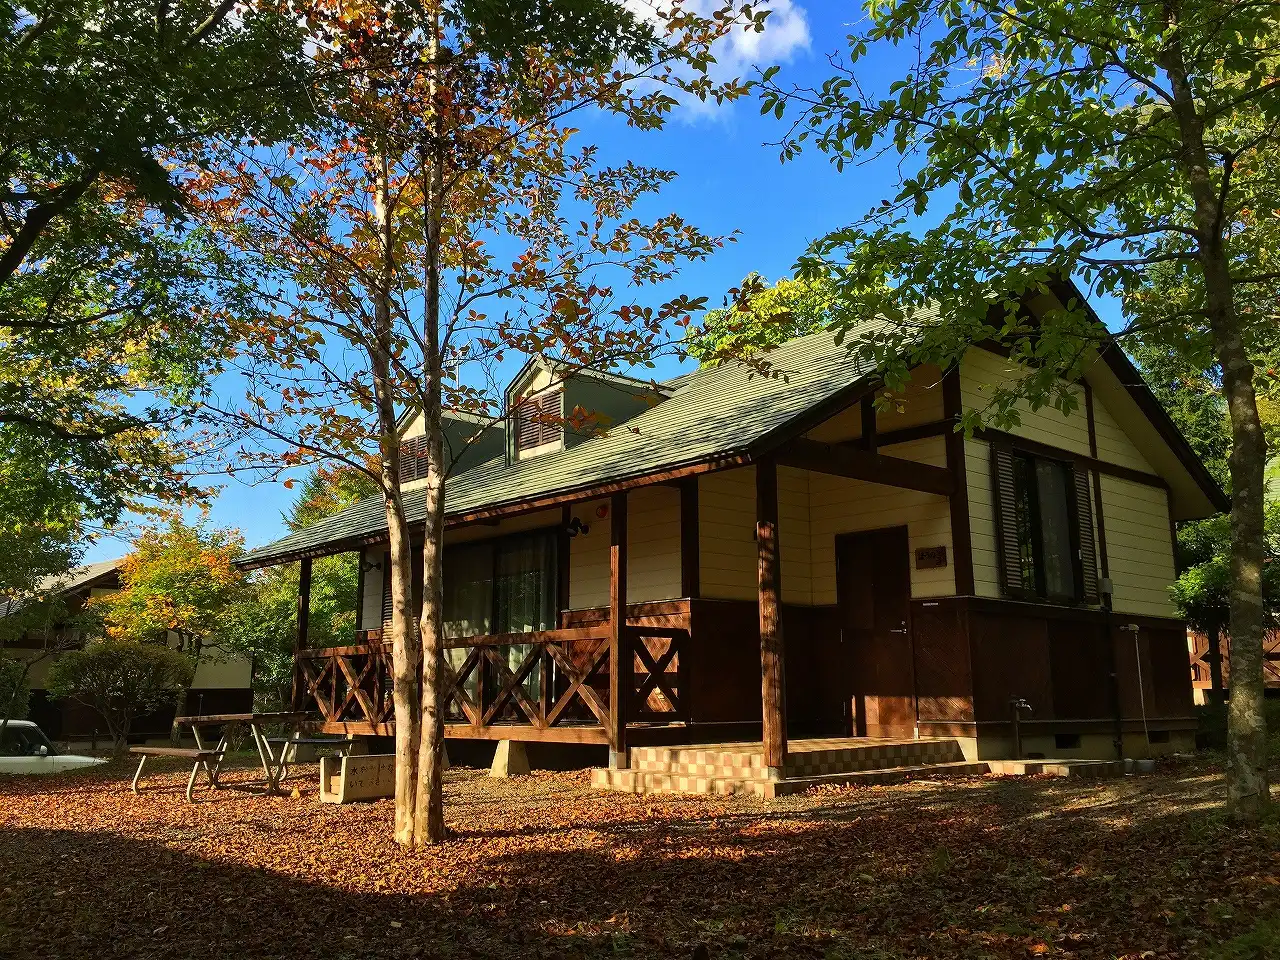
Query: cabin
{"x": 222, "y": 682}
{"x": 776, "y": 558}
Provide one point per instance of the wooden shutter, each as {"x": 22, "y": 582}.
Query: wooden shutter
{"x": 535, "y": 423}
{"x": 529, "y": 427}
{"x": 413, "y": 459}
{"x": 1084, "y": 537}
{"x": 1004, "y": 495}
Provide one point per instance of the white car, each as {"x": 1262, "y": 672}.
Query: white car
{"x": 25, "y": 749}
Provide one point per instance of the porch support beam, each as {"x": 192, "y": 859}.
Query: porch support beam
{"x": 772, "y": 680}
{"x": 961, "y": 532}
{"x": 845, "y": 460}
{"x": 303, "y": 625}
{"x": 620, "y": 666}
{"x": 562, "y": 563}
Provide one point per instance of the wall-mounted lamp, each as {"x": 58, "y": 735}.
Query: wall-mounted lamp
{"x": 576, "y": 526}
{"x": 368, "y": 565}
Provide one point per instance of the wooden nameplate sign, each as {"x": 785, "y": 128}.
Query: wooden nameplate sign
{"x": 348, "y": 779}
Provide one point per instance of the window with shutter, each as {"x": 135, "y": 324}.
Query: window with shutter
{"x": 1084, "y": 536}
{"x": 535, "y": 421}
{"x": 1044, "y": 528}
{"x": 413, "y": 459}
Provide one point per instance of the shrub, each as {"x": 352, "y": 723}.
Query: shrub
{"x": 119, "y": 680}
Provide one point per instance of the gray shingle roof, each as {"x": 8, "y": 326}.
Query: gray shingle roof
{"x": 713, "y": 413}
{"x": 60, "y": 583}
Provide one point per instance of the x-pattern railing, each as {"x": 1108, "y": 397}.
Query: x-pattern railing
{"x": 541, "y": 679}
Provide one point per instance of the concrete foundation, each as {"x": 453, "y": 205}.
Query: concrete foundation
{"x": 509, "y": 760}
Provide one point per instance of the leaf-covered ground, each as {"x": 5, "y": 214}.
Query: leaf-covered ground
{"x": 541, "y": 866}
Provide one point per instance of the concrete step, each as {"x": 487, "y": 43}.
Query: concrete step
{"x": 842, "y": 758}
{"x": 1084, "y": 769}
{"x": 791, "y": 786}
{"x": 638, "y": 781}
{"x": 747, "y": 761}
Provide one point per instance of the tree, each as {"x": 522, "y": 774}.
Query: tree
{"x": 266, "y": 618}
{"x": 761, "y": 317}
{"x": 108, "y": 304}
{"x": 447, "y": 221}
{"x": 36, "y": 624}
{"x": 15, "y": 692}
{"x": 179, "y": 583}
{"x": 120, "y": 680}
{"x": 1039, "y": 141}
{"x": 41, "y": 520}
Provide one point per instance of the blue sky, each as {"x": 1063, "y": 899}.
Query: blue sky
{"x": 730, "y": 179}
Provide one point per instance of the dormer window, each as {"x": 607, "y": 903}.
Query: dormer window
{"x": 413, "y": 459}
{"x": 537, "y": 421}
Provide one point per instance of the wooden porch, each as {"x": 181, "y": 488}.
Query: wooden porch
{"x": 562, "y": 689}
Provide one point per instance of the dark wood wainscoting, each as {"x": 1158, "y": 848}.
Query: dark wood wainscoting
{"x": 975, "y": 655}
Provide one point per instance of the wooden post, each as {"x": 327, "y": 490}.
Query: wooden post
{"x": 562, "y": 564}
{"x": 772, "y": 675}
{"x": 868, "y": 405}
{"x": 620, "y": 656}
{"x": 690, "y": 558}
{"x": 961, "y": 532}
{"x": 304, "y": 623}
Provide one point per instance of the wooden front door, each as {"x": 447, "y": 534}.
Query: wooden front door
{"x": 873, "y": 574}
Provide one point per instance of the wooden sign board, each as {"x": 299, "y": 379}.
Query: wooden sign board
{"x": 931, "y": 558}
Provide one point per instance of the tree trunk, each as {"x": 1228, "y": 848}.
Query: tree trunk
{"x": 1248, "y": 792}
{"x": 429, "y": 816}
{"x": 404, "y": 633}
{"x": 1214, "y": 656}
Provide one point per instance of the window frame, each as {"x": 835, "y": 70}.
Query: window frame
{"x": 532, "y": 413}
{"x": 1067, "y": 469}
{"x": 1039, "y": 593}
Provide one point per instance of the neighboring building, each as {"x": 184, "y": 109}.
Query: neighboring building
{"x": 222, "y": 682}
{"x": 794, "y": 562}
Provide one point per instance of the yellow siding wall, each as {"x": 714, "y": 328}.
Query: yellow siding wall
{"x": 1139, "y": 547}
{"x": 982, "y": 372}
{"x": 589, "y": 560}
{"x": 1114, "y": 445}
{"x": 1135, "y": 515}
{"x": 920, "y": 401}
{"x": 653, "y": 550}
{"x": 727, "y": 535}
{"x": 840, "y": 505}
{"x": 653, "y": 544}
{"x": 812, "y": 509}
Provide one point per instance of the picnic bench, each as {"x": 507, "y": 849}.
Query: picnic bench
{"x": 273, "y": 752}
{"x": 203, "y": 759}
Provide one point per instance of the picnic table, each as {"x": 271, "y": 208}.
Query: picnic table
{"x": 274, "y": 762}
{"x": 273, "y": 752}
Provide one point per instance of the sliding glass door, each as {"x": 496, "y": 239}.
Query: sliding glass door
{"x": 497, "y": 587}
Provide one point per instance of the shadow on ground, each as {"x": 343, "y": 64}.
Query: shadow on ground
{"x": 542, "y": 867}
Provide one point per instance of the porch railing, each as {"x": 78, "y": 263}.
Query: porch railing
{"x": 547, "y": 680}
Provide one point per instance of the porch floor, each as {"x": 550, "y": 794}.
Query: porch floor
{"x": 724, "y": 769}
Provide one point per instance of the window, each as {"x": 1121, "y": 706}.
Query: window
{"x": 413, "y": 459}
{"x": 1044, "y": 527}
{"x": 501, "y": 586}
{"x": 537, "y": 421}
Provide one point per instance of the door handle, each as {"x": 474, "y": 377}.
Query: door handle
{"x": 903, "y": 630}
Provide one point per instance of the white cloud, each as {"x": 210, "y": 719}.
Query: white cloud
{"x": 786, "y": 33}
